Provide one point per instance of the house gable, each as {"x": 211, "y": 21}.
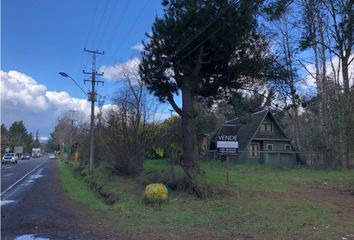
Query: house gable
{"x": 250, "y": 131}
{"x": 246, "y": 131}
{"x": 268, "y": 144}
{"x": 277, "y": 133}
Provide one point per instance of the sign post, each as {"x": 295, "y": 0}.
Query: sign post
{"x": 227, "y": 169}
{"x": 227, "y": 145}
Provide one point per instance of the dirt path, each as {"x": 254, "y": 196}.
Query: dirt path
{"x": 341, "y": 199}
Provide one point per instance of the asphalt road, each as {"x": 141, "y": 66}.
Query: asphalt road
{"x": 34, "y": 205}
{"x": 11, "y": 173}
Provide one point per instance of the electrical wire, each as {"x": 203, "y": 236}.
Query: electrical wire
{"x": 102, "y": 17}
{"x": 186, "y": 43}
{"x": 83, "y": 63}
{"x": 132, "y": 26}
{"x": 211, "y": 21}
{"x": 206, "y": 39}
{"x": 104, "y": 36}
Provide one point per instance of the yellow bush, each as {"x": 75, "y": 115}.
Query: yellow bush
{"x": 155, "y": 193}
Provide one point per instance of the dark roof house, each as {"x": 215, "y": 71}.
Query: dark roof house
{"x": 261, "y": 140}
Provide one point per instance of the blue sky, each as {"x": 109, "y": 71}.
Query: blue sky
{"x": 40, "y": 38}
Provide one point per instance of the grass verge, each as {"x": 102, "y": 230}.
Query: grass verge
{"x": 264, "y": 203}
{"x": 77, "y": 189}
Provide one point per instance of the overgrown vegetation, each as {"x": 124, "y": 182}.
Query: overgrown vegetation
{"x": 260, "y": 202}
{"x": 77, "y": 189}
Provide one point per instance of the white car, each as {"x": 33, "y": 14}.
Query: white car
{"x": 52, "y": 156}
{"x": 9, "y": 157}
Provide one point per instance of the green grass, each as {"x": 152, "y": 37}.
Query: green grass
{"x": 265, "y": 178}
{"x": 263, "y": 204}
{"x": 78, "y": 189}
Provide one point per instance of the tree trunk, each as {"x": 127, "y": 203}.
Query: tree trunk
{"x": 323, "y": 96}
{"x": 348, "y": 114}
{"x": 313, "y": 25}
{"x": 189, "y": 134}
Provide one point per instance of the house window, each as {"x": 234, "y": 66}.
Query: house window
{"x": 267, "y": 127}
{"x": 287, "y": 147}
{"x": 270, "y": 147}
{"x": 254, "y": 150}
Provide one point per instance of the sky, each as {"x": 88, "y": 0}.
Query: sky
{"x": 40, "y": 38}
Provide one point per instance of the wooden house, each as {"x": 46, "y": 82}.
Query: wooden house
{"x": 261, "y": 140}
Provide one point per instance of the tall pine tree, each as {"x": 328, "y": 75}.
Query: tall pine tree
{"x": 202, "y": 49}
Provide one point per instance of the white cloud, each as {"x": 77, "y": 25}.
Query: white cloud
{"x": 310, "y": 81}
{"x": 22, "y": 98}
{"x": 118, "y": 71}
{"x": 139, "y": 47}
{"x": 22, "y": 92}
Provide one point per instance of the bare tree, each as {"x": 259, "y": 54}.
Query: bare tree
{"x": 126, "y": 123}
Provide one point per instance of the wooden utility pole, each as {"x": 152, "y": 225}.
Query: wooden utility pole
{"x": 92, "y": 96}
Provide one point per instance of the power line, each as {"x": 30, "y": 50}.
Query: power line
{"x": 206, "y": 39}
{"x": 211, "y": 21}
{"x": 98, "y": 30}
{"x": 122, "y": 13}
{"x": 187, "y": 42}
{"x": 132, "y": 26}
{"x": 106, "y": 32}
{"x": 88, "y": 35}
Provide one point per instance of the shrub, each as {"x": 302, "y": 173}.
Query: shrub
{"x": 155, "y": 193}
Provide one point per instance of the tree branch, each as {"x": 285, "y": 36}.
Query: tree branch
{"x": 174, "y": 105}
{"x": 350, "y": 61}
{"x": 307, "y": 70}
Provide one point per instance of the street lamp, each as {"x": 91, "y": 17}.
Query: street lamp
{"x": 91, "y": 97}
{"x": 63, "y": 74}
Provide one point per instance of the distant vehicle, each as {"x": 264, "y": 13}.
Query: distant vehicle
{"x": 9, "y": 157}
{"x": 18, "y": 150}
{"x": 26, "y": 156}
{"x": 36, "y": 152}
{"x": 51, "y": 156}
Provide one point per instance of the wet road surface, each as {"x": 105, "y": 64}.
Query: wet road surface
{"x": 11, "y": 173}
{"x": 33, "y": 204}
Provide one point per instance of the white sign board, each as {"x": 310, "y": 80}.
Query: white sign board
{"x": 227, "y": 144}
{"x": 18, "y": 149}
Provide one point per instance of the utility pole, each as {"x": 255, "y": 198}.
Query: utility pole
{"x": 92, "y": 96}
{"x": 171, "y": 110}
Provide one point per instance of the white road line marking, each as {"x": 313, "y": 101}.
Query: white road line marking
{"x": 9, "y": 188}
{"x": 4, "y": 202}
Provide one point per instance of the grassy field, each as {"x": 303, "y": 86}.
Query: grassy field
{"x": 259, "y": 203}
